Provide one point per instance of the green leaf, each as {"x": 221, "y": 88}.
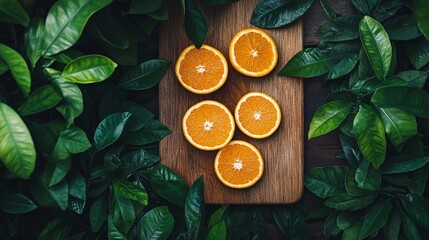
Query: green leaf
{"x": 217, "y": 232}
{"x": 55, "y": 230}
{"x": 367, "y": 177}
{"x": 113, "y": 232}
{"x": 348, "y": 218}
{"x": 218, "y": 216}
{"x": 417, "y": 208}
{"x": 417, "y": 105}
{"x": 122, "y": 212}
{"x": 409, "y": 227}
{"x": 344, "y": 66}
{"x": 144, "y": 76}
{"x": 59, "y": 193}
{"x": 352, "y": 185}
{"x": 275, "y": 14}
{"x": 393, "y": 225}
{"x": 340, "y": 29}
{"x": 18, "y": 68}
{"x": 55, "y": 171}
{"x": 387, "y": 9}
{"x": 369, "y": 131}
{"x": 420, "y": 178}
{"x": 72, "y": 106}
{"x": 71, "y": 140}
{"x": 351, "y": 151}
{"x": 347, "y": 202}
{"x": 195, "y": 23}
{"x": 364, "y": 67}
{"x": 130, "y": 191}
{"x": 365, "y": 6}
{"x": 418, "y": 52}
{"x": 42, "y": 99}
{"x": 319, "y": 211}
{"x": 66, "y": 56}
{"x": 402, "y": 28}
{"x": 108, "y": 30}
{"x": 291, "y": 221}
{"x": 76, "y": 205}
{"x": 33, "y": 39}
{"x": 11, "y": 11}
{"x": 326, "y": 181}
{"x": 328, "y": 12}
{"x": 168, "y": 185}
{"x": 65, "y": 22}
{"x": 421, "y": 14}
{"x": 156, "y": 224}
{"x": 376, "y": 44}
{"x": 414, "y": 78}
{"x": 144, "y": 6}
{"x": 136, "y": 160}
{"x": 194, "y": 209}
{"x": 77, "y": 185}
{"x": 110, "y": 129}
{"x": 152, "y": 132}
{"x": 16, "y": 203}
{"x": 98, "y": 213}
{"x": 88, "y": 69}
{"x": 218, "y": 2}
{"x": 17, "y": 151}
{"x": 328, "y": 117}
{"x": 343, "y": 95}
{"x": 330, "y": 227}
{"x": 140, "y": 116}
{"x": 3, "y": 67}
{"x": 310, "y": 62}
{"x": 352, "y": 232}
{"x": 376, "y": 217}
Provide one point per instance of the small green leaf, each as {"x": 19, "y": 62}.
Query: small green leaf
{"x": 153, "y": 131}
{"x": 144, "y": 6}
{"x": 88, "y": 69}
{"x": 217, "y": 232}
{"x": 340, "y": 29}
{"x": 18, "y": 68}
{"x": 130, "y": 191}
{"x": 72, "y": 140}
{"x": 16, "y": 203}
{"x": 417, "y": 208}
{"x": 42, "y": 99}
{"x": 344, "y": 66}
{"x": 98, "y": 213}
{"x": 77, "y": 185}
{"x": 421, "y": 14}
{"x": 414, "y": 78}
{"x": 326, "y": 181}
{"x": 402, "y": 28}
{"x": 409, "y": 227}
{"x": 352, "y": 232}
{"x": 367, "y": 177}
{"x": 144, "y": 76}
{"x": 275, "y": 14}
{"x": 122, "y": 212}
{"x": 33, "y": 39}
{"x": 108, "y": 30}
{"x": 347, "y": 202}
{"x": 291, "y": 221}
{"x": 376, "y": 44}
{"x": 157, "y": 224}
{"x": 140, "y": 116}
{"x": 55, "y": 230}
{"x": 418, "y": 52}
{"x": 330, "y": 227}
{"x": 370, "y": 136}
{"x": 348, "y": 218}
{"x": 352, "y": 185}
{"x": 328, "y": 117}
{"x": 72, "y": 106}
{"x": 387, "y": 9}
{"x": 351, "y": 151}
{"x": 393, "y": 225}
{"x": 194, "y": 209}
{"x": 218, "y": 216}
{"x": 110, "y": 129}
{"x": 168, "y": 185}
{"x": 195, "y": 23}
{"x": 365, "y": 6}
{"x": 59, "y": 193}
{"x": 133, "y": 161}
{"x": 55, "y": 171}
{"x": 11, "y": 11}
{"x": 376, "y": 217}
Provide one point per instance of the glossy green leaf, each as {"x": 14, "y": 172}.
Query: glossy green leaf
{"x": 330, "y": 227}
{"x": 60, "y": 194}
{"x": 66, "y": 56}
{"x": 55, "y": 230}
{"x": 110, "y": 129}
{"x": 352, "y": 232}
{"x": 194, "y": 209}
{"x": 417, "y": 208}
{"x": 402, "y": 28}
{"x": 365, "y": 6}
{"x": 328, "y": 117}
{"x": 157, "y": 224}
{"x": 409, "y": 228}
{"x": 16, "y": 203}
{"x": 352, "y": 186}
{"x": 144, "y": 76}
{"x": 17, "y": 151}
{"x": 274, "y": 14}
{"x": 138, "y": 159}
{"x": 343, "y": 95}
{"x": 130, "y": 191}
{"x": 218, "y": 216}
{"x": 370, "y": 136}
{"x": 3, "y": 67}
{"x": 11, "y": 11}
{"x": 386, "y": 9}
{"x": 342, "y": 28}
{"x": 417, "y": 105}
{"x": 418, "y": 52}
{"x": 88, "y": 69}
{"x": 140, "y": 116}
{"x": 344, "y": 66}
{"x": 291, "y": 221}
{"x": 76, "y": 205}
{"x": 18, "y": 68}
{"x": 144, "y": 6}
{"x": 162, "y": 13}
{"x": 108, "y": 30}
{"x": 152, "y": 132}
{"x": 310, "y": 62}
{"x": 77, "y": 184}
{"x": 113, "y": 232}
{"x": 217, "y": 232}
{"x": 421, "y": 14}
{"x": 347, "y": 218}
{"x": 367, "y": 177}
{"x": 71, "y": 140}
{"x": 376, "y": 217}
{"x": 122, "y": 212}
{"x": 168, "y": 185}
{"x": 420, "y": 178}
{"x": 364, "y": 66}
{"x": 319, "y": 211}
{"x": 393, "y": 225}
{"x": 72, "y": 106}
{"x": 42, "y": 99}
{"x": 55, "y": 171}
{"x": 376, "y": 44}
{"x": 414, "y": 78}
{"x": 65, "y": 22}
{"x": 195, "y": 23}
{"x": 98, "y": 213}
{"x": 326, "y": 181}
{"x": 33, "y": 39}
{"x": 351, "y": 151}
{"x": 347, "y": 202}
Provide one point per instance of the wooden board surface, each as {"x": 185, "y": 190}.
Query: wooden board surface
{"x": 282, "y": 181}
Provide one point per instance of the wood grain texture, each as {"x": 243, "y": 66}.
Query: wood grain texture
{"x": 283, "y": 151}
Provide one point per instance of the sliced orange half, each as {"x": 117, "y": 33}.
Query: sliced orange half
{"x": 253, "y": 52}
{"x": 202, "y": 70}
{"x": 257, "y": 115}
{"x": 208, "y": 125}
{"x": 239, "y": 164}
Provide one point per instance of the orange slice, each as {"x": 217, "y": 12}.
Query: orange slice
{"x": 208, "y": 125}
{"x": 257, "y": 115}
{"x": 239, "y": 164}
{"x": 253, "y": 52}
{"x": 203, "y": 70}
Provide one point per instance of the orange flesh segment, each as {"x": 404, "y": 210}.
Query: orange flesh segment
{"x": 257, "y": 115}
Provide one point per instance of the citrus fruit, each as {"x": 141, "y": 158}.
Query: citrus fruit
{"x": 203, "y": 70}
{"x": 208, "y": 125}
{"x": 253, "y": 52}
{"x": 257, "y": 115}
{"x": 239, "y": 164}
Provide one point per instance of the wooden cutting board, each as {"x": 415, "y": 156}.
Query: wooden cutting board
{"x": 282, "y": 181}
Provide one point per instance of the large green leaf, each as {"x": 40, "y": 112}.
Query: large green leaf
{"x": 113, "y": 232}
{"x": 365, "y": 6}
{"x": 195, "y": 23}
{"x": 157, "y": 224}
{"x": 55, "y": 171}
{"x": 217, "y": 232}
{"x": 344, "y": 66}
{"x": 152, "y": 132}
{"x": 402, "y": 28}
{"x": 88, "y": 69}
{"x": 33, "y": 39}
{"x": 16, "y": 145}
{"x": 370, "y": 136}
{"x": 18, "y": 68}
{"x": 376, "y": 217}
{"x": 291, "y": 221}
{"x": 122, "y": 212}
{"x": 399, "y": 97}
{"x": 110, "y": 129}
{"x": 194, "y": 209}
{"x": 404, "y": 163}
{"x": 11, "y": 11}
{"x": 310, "y": 62}
{"x": 72, "y": 106}
{"x": 340, "y": 29}
{"x": 367, "y": 177}
{"x": 42, "y": 99}
{"x": 414, "y": 78}
{"x": 168, "y": 185}
{"x": 376, "y": 44}
{"x": 417, "y": 208}
{"x": 393, "y": 225}
{"x": 326, "y": 181}
{"x": 138, "y": 159}
{"x": 98, "y": 213}
{"x": 16, "y": 203}
{"x": 418, "y": 52}
{"x": 144, "y": 6}
{"x": 71, "y": 140}
{"x": 347, "y": 202}
{"x": 328, "y": 117}
{"x": 145, "y": 75}
{"x": 130, "y": 191}
{"x": 330, "y": 227}
{"x": 409, "y": 227}
{"x": 278, "y": 13}
{"x": 421, "y": 14}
